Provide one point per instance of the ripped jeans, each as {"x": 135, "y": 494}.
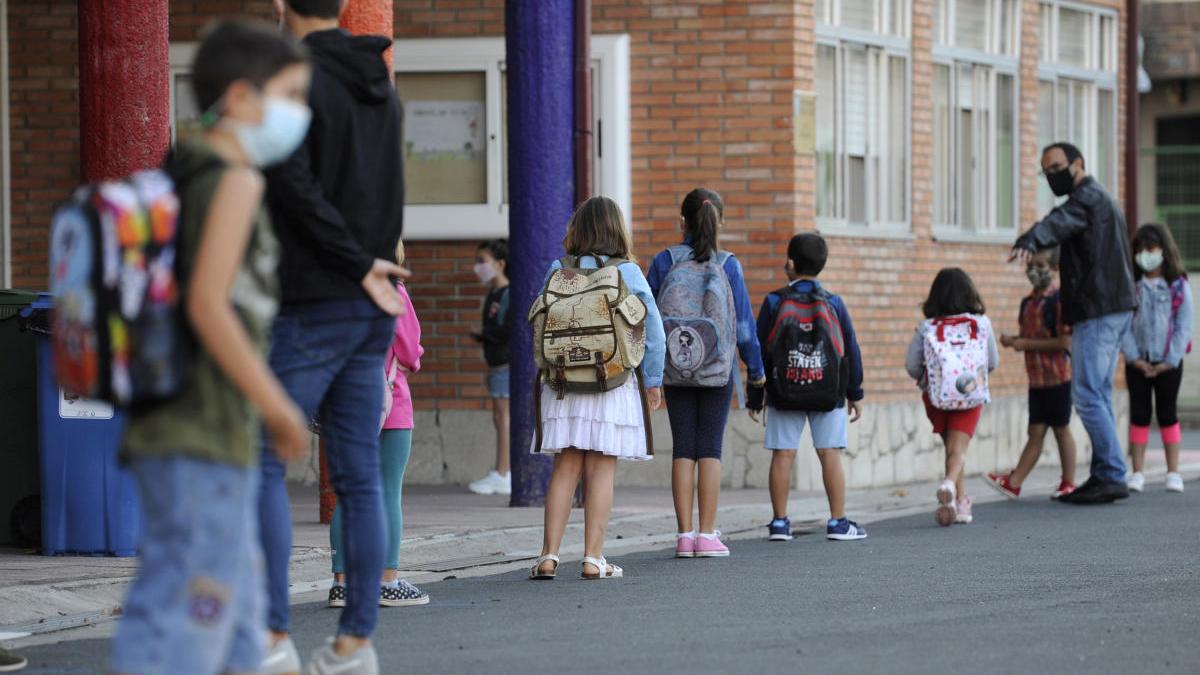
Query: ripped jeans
{"x": 198, "y": 605}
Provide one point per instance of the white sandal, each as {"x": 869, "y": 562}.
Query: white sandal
{"x": 602, "y": 565}
{"x": 536, "y": 572}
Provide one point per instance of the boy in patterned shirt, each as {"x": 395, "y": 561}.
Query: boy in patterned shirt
{"x": 1046, "y": 343}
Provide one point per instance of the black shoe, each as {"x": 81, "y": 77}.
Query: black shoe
{"x": 403, "y": 594}
{"x": 337, "y": 596}
{"x": 1096, "y": 491}
{"x": 10, "y": 662}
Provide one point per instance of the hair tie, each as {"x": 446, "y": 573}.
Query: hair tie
{"x": 705, "y": 202}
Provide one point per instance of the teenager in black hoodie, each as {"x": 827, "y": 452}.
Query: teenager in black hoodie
{"x": 337, "y": 206}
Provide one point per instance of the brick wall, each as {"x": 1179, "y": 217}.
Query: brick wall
{"x": 43, "y": 91}
{"x": 711, "y": 91}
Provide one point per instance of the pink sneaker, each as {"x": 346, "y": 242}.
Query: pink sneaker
{"x": 685, "y": 546}
{"x": 946, "y": 511}
{"x": 963, "y": 506}
{"x": 707, "y": 547}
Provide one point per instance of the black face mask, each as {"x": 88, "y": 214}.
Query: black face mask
{"x": 1061, "y": 182}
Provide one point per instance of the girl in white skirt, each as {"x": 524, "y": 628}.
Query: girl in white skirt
{"x": 588, "y": 433}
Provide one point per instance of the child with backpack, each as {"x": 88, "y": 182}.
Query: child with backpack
{"x": 950, "y": 356}
{"x": 1046, "y": 343}
{"x": 395, "y": 448}
{"x": 197, "y": 605}
{"x": 1154, "y": 348}
{"x": 491, "y": 268}
{"x": 599, "y": 346}
{"x": 706, "y": 313}
{"x": 814, "y": 375}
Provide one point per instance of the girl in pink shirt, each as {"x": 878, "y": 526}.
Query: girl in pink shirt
{"x": 395, "y": 446}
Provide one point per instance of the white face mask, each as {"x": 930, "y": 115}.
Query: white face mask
{"x": 282, "y": 130}
{"x": 486, "y": 272}
{"x": 1149, "y": 260}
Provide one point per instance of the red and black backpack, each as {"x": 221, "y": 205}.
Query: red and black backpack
{"x": 806, "y": 353}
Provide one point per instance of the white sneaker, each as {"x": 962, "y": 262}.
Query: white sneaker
{"x": 325, "y": 661}
{"x": 1174, "y": 482}
{"x": 492, "y": 484}
{"x": 1136, "y": 482}
{"x": 282, "y": 658}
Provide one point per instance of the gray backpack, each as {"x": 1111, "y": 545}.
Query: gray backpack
{"x": 700, "y": 320}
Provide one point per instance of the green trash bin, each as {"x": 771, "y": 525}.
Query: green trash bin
{"x": 20, "y": 505}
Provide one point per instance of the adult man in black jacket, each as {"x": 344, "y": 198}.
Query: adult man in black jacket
{"x": 337, "y": 206}
{"x": 1097, "y": 297}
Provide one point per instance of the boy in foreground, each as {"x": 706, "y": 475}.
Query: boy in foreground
{"x": 197, "y": 604}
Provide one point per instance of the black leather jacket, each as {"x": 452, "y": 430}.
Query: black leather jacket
{"x": 1097, "y": 274}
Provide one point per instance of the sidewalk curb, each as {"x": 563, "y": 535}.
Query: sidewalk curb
{"x": 66, "y": 605}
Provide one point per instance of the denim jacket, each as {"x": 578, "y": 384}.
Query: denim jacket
{"x": 1159, "y": 333}
{"x": 656, "y": 337}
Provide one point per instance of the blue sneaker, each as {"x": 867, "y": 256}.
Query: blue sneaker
{"x": 780, "y": 529}
{"x": 844, "y": 530}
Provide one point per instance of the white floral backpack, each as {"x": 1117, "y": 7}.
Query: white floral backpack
{"x": 956, "y": 361}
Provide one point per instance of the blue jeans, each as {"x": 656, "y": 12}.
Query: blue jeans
{"x": 1095, "y": 344}
{"x": 197, "y": 605}
{"x": 329, "y": 356}
{"x": 395, "y": 447}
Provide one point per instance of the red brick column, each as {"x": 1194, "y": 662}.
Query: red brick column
{"x": 370, "y": 17}
{"x": 124, "y": 91}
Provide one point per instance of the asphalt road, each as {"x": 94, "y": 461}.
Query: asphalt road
{"x": 1030, "y": 587}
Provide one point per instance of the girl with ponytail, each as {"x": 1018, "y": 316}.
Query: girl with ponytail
{"x": 707, "y": 315}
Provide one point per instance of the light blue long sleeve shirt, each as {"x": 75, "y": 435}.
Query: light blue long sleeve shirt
{"x": 656, "y": 337}
{"x": 1158, "y": 334}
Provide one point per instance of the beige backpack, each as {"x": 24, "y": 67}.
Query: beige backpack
{"x": 589, "y": 331}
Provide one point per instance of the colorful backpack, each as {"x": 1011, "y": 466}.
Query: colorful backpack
{"x": 589, "y": 331}
{"x": 118, "y": 333}
{"x": 806, "y": 364}
{"x": 956, "y": 361}
{"x": 700, "y": 320}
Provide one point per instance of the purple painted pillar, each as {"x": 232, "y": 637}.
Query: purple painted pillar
{"x": 541, "y": 189}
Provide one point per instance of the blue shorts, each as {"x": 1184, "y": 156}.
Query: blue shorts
{"x": 497, "y": 381}
{"x": 784, "y": 427}
{"x": 198, "y": 604}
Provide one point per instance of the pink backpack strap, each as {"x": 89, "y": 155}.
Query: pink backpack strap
{"x": 1176, "y": 303}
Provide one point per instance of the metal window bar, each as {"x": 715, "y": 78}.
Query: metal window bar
{"x": 1176, "y": 189}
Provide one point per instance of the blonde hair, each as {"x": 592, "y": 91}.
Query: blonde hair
{"x": 597, "y": 227}
{"x": 400, "y": 252}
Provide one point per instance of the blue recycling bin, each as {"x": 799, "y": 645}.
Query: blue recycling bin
{"x": 89, "y": 504}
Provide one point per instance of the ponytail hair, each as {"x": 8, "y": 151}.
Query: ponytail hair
{"x": 702, "y": 212}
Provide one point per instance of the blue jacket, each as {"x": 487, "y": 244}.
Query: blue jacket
{"x": 747, "y": 340}
{"x": 1160, "y": 333}
{"x": 766, "y": 321}
{"x": 656, "y": 337}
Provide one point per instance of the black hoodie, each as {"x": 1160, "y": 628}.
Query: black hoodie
{"x": 338, "y": 203}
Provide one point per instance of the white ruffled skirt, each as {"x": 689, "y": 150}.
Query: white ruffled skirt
{"x": 609, "y": 423}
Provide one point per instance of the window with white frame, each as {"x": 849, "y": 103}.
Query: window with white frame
{"x": 1077, "y": 85}
{"x": 975, "y": 99}
{"x": 455, "y": 145}
{"x": 862, "y": 83}
{"x": 885, "y": 17}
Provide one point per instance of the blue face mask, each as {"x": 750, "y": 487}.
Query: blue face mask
{"x": 283, "y": 128}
